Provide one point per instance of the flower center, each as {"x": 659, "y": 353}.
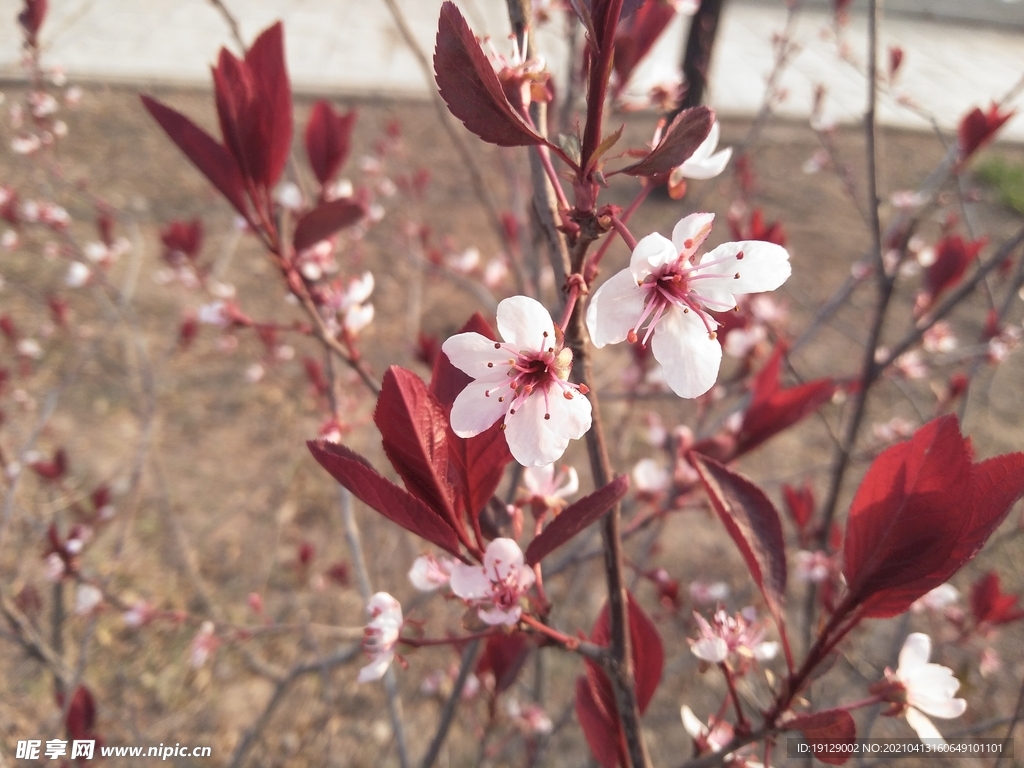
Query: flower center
{"x": 532, "y": 371}
{"x": 677, "y": 285}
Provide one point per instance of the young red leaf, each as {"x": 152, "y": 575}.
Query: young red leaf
{"x": 977, "y": 128}
{"x": 182, "y": 238}
{"x": 328, "y": 136}
{"x": 412, "y": 425}
{"x": 989, "y": 605}
{"x": 265, "y": 60}
{"x": 773, "y": 409}
{"x": 827, "y": 732}
{"x": 398, "y": 505}
{"x": 800, "y": 503}
{"x": 953, "y": 255}
{"x": 601, "y": 731}
{"x": 635, "y": 37}
{"x": 236, "y": 98}
{"x": 31, "y": 19}
{"x": 471, "y": 88}
{"x": 751, "y": 519}
{"x": 503, "y": 656}
{"x": 682, "y": 137}
{"x": 210, "y": 157}
{"x": 575, "y": 518}
{"x": 81, "y": 718}
{"x": 324, "y": 220}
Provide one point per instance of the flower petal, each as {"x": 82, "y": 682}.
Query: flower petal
{"x": 474, "y": 410}
{"x": 693, "y": 726}
{"x": 534, "y": 440}
{"x": 689, "y": 358}
{"x": 376, "y": 668}
{"x": 503, "y": 556}
{"x": 651, "y": 254}
{"x": 711, "y": 649}
{"x": 763, "y": 267}
{"x": 615, "y": 308}
{"x": 572, "y": 480}
{"x": 914, "y": 655}
{"x": 706, "y": 168}
{"x": 470, "y": 582}
{"x": 539, "y": 480}
{"x": 471, "y": 352}
{"x": 926, "y": 731}
{"x": 708, "y": 146}
{"x": 494, "y": 616}
{"x": 525, "y": 324}
{"x": 691, "y": 232}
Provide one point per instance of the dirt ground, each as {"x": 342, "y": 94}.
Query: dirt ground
{"x": 229, "y": 493}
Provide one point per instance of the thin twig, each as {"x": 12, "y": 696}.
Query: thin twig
{"x": 448, "y": 713}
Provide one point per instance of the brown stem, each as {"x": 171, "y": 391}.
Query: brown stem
{"x": 620, "y": 665}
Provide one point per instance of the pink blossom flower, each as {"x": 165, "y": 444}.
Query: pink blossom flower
{"x": 707, "y": 739}
{"x": 429, "y": 573}
{"x": 380, "y": 638}
{"x": 650, "y": 478}
{"x": 705, "y": 593}
{"x": 671, "y": 293}
{"x": 87, "y": 598}
{"x": 203, "y": 645}
{"x": 551, "y": 488}
{"x": 496, "y": 587}
{"x": 813, "y": 566}
{"x": 940, "y": 598}
{"x": 929, "y": 687}
{"x": 523, "y": 380}
{"x": 724, "y": 635}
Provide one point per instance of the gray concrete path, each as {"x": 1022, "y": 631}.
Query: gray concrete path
{"x": 353, "y": 47}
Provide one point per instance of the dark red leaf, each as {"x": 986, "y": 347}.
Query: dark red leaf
{"x": 907, "y": 515}
{"x": 210, "y": 157}
{"x": 328, "y": 137}
{"x": 81, "y": 719}
{"x": 575, "y": 518}
{"x": 601, "y": 731}
{"x": 800, "y": 503}
{"x": 825, "y": 731}
{"x": 413, "y": 426}
{"x": 31, "y": 18}
{"x": 751, "y": 519}
{"x": 503, "y": 656}
{"x": 324, "y": 220}
{"x": 398, "y": 505}
{"x": 682, "y": 137}
{"x": 996, "y": 485}
{"x": 952, "y": 257}
{"x": 471, "y": 88}
{"x": 635, "y": 37}
{"x": 266, "y": 61}
{"x": 645, "y": 643}
{"x": 182, "y": 238}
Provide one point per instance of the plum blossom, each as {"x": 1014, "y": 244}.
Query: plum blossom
{"x": 650, "y": 477}
{"x": 551, "y": 489}
{"x": 429, "y": 573}
{"x": 725, "y": 635}
{"x": 522, "y": 380}
{"x": 667, "y": 290}
{"x": 496, "y": 587}
{"x": 703, "y": 164}
{"x": 929, "y": 688}
{"x": 942, "y": 597}
{"x": 204, "y": 644}
{"x": 380, "y": 638}
{"x": 87, "y": 598}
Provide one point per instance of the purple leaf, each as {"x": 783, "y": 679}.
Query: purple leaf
{"x": 324, "y": 220}
{"x": 681, "y": 138}
{"x": 575, "y": 518}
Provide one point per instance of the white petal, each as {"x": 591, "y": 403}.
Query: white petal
{"x": 706, "y": 168}
{"x": 914, "y": 655}
{"x": 539, "y": 480}
{"x": 470, "y": 582}
{"x": 764, "y": 267}
{"x": 693, "y": 726}
{"x": 494, "y": 616}
{"x": 690, "y": 232}
{"x": 615, "y": 308}
{"x": 572, "y": 480}
{"x": 651, "y": 253}
{"x": 535, "y": 441}
{"x": 474, "y": 410}
{"x": 708, "y": 146}
{"x": 689, "y": 358}
{"x": 503, "y": 556}
{"x": 375, "y": 669}
{"x": 471, "y": 352}
{"x": 523, "y": 323}
{"x": 926, "y": 731}
{"x": 711, "y": 649}
{"x": 382, "y": 603}
{"x": 946, "y": 708}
